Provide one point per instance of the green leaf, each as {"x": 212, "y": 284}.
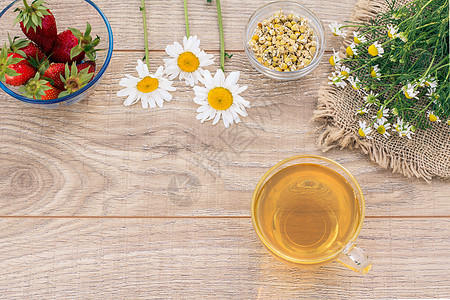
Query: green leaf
{"x": 75, "y": 51}
{"x": 90, "y": 56}
{"x": 64, "y": 93}
{"x": 88, "y": 30}
{"x": 2, "y": 77}
{"x": 11, "y": 72}
{"x": 35, "y": 19}
{"x": 228, "y": 55}
{"x": 76, "y": 32}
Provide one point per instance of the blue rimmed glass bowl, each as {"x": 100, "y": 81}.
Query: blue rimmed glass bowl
{"x": 74, "y": 14}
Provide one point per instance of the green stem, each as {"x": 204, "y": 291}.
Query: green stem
{"x": 222, "y": 41}
{"x": 26, "y": 5}
{"x": 144, "y": 18}
{"x": 186, "y": 18}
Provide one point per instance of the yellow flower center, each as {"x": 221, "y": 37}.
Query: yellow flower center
{"x": 432, "y": 118}
{"x": 390, "y": 34}
{"x": 220, "y": 98}
{"x": 407, "y": 95}
{"x": 349, "y": 51}
{"x": 188, "y": 62}
{"x": 379, "y": 114}
{"x": 345, "y": 74}
{"x": 355, "y": 86}
{"x": 148, "y": 84}
{"x": 373, "y": 73}
{"x": 448, "y": 122}
{"x": 357, "y": 41}
{"x": 361, "y": 132}
{"x": 361, "y": 112}
{"x": 373, "y": 50}
{"x": 332, "y": 62}
{"x": 381, "y": 129}
{"x": 335, "y": 34}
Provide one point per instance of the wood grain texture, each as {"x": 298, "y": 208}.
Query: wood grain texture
{"x": 101, "y": 158}
{"x": 183, "y": 188}
{"x": 215, "y": 258}
{"x": 165, "y": 21}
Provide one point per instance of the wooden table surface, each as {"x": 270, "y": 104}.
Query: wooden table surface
{"x": 98, "y": 200}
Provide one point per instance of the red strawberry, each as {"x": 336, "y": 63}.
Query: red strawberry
{"x": 38, "y": 24}
{"x": 54, "y": 72}
{"x": 88, "y": 64}
{"x": 14, "y": 69}
{"x": 26, "y": 48}
{"x": 41, "y": 89}
{"x": 72, "y": 46}
{"x": 52, "y": 93}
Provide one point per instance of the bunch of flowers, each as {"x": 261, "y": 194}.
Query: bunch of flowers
{"x": 399, "y": 62}
{"x": 219, "y": 98}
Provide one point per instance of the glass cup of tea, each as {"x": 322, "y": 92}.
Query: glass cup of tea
{"x": 308, "y": 210}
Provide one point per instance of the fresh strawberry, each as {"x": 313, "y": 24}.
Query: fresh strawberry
{"x": 38, "y": 24}
{"x": 14, "y": 69}
{"x": 54, "y": 72}
{"x": 87, "y": 64}
{"x": 38, "y": 88}
{"x": 26, "y": 48}
{"x": 72, "y": 46}
{"x": 74, "y": 80}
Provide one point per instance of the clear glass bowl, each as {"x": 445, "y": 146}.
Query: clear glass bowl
{"x": 81, "y": 12}
{"x": 288, "y": 7}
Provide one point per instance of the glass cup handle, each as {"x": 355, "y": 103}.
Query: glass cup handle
{"x": 355, "y": 259}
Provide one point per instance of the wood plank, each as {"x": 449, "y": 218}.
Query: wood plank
{"x": 204, "y": 258}
{"x": 101, "y": 158}
{"x": 166, "y": 20}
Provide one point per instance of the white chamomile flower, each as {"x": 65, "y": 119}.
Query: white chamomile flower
{"x": 392, "y": 31}
{"x": 345, "y": 71}
{"x": 364, "y": 130}
{"x": 410, "y": 91}
{"x": 429, "y": 81}
{"x": 376, "y": 49}
{"x": 403, "y": 37}
{"x": 402, "y": 129}
{"x": 335, "y": 60}
{"x": 220, "y": 98}
{"x": 354, "y": 81}
{"x": 151, "y": 89}
{"x": 337, "y": 79}
{"x": 336, "y": 29}
{"x": 370, "y": 99}
{"x": 375, "y": 72}
{"x": 351, "y": 50}
{"x": 433, "y": 117}
{"x": 187, "y": 61}
{"x": 362, "y": 111}
{"x": 358, "y": 39}
{"x": 382, "y": 114}
{"x": 382, "y": 126}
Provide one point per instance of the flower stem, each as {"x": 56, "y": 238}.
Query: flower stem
{"x": 222, "y": 41}
{"x": 144, "y": 18}
{"x": 186, "y": 18}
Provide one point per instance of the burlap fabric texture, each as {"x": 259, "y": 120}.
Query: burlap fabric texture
{"x": 425, "y": 156}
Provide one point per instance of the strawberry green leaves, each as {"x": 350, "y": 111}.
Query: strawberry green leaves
{"x": 85, "y": 43}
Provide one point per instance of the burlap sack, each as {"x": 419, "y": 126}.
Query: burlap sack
{"x": 426, "y": 156}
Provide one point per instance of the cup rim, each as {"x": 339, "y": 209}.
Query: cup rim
{"x": 287, "y": 257}
{"x": 94, "y": 80}
{"x": 291, "y": 74}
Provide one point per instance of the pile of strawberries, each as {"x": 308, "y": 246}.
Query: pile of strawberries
{"x": 47, "y": 65}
